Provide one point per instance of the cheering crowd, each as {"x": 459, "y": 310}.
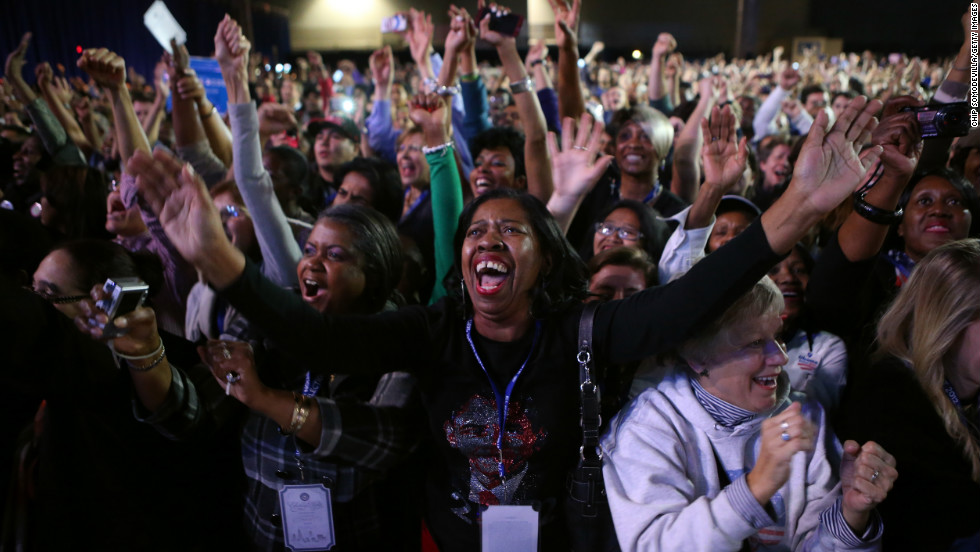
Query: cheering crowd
{"x": 667, "y": 305}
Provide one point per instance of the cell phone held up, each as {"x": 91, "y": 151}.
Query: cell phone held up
{"x": 397, "y": 23}
{"x": 942, "y": 120}
{"x": 504, "y": 23}
{"x": 123, "y": 295}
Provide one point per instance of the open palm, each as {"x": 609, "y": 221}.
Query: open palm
{"x": 830, "y": 166}
{"x": 181, "y": 201}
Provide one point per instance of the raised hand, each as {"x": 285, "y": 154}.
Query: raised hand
{"x": 723, "y": 160}
{"x": 665, "y": 45}
{"x": 106, "y": 68}
{"x": 792, "y": 108}
{"x": 537, "y": 51}
{"x": 566, "y": 22}
{"x": 382, "y": 64}
{"x": 462, "y": 31}
{"x": 432, "y": 114}
{"x": 788, "y": 78}
{"x": 13, "y": 70}
{"x": 189, "y": 87}
{"x": 899, "y": 136}
{"x": 578, "y": 165}
{"x": 275, "y": 118}
{"x": 43, "y": 74}
{"x": 831, "y": 165}
{"x": 231, "y": 48}
{"x": 867, "y": 473}
{"x": 138, "y": 327}
{"x": 419, "y": 35}
{"x": 179, "y": 198}
{"x": 494, "y": 38}
{"x": 783, "y": 435}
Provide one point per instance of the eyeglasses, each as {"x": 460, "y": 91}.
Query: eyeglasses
{"x": 624, "y": 232}
{"x": 58, "y": 299}
{"x": 229, "y": 211}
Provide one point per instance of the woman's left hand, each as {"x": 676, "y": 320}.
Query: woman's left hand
{"x": 867, "y": 473}
{"x": 139, "y": 335}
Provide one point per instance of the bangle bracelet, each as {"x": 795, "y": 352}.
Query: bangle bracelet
{"x": 157, "y": 351}
{"x": 469, "y": 77}
{"x": 443, "y": 148}
{"x": 213, "y": 110}
{"x": 146, "y": 368}
{"x": 301, "y": 411}
{"x": 537, "y": 62}
{"x": 876, "y": 215}
{"x": 525, "y": 85}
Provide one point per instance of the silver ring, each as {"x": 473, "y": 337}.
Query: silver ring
{"x": 875, "y": 476}
{"x": 583, "y": 148}
{"x": 232, "y": 377}
{"x": 784, "y": 426}
{"x": 785, "y": 436}
{"x": 714, "y": 138}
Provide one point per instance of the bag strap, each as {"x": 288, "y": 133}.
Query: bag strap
{"x": 591, "y": 454}
{"x": 725, "y": 481}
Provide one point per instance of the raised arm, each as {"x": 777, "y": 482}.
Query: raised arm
{"x": 52, "y": 134}
{"x": 536, "y": 157}
{"x": 381, "y": 134}
{"x": 577, "y": 166}
{"x": 686, "y": 175}
{"x": 570, "y": 100}
{"x": 108, "y": 70}
{"x": 279, "y": 247}
{"x": 58, "y": 103}
{"x": 218, "y": 134}
{"x": 657, "y": 91}
{"x": 431, "y": 113}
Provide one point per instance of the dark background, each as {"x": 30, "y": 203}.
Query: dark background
{"x": 702, "y": 27}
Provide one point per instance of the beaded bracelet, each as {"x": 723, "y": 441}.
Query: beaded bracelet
{"x": 443, "y": 148}
{"x": 158, "y": 355}
{"x": 148, "y": 356}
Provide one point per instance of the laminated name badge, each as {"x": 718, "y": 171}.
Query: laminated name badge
{"x": 307, "y": 518}
{"x": 509, "y": 529}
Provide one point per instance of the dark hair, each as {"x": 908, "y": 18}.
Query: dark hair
{"x": 768, "y": 144}
{"x": 846, "y": 93}
{"x": 962, "y": 185}
{"x": 293, "y": 165}
{"x": 812, "y": 89}
{"x": 376, "y": 241}
{"x": 958, "y": 161}
{"x": 625, "y": 256}
{"x": 385, "y": 183}
{"x": 655, "y": 231}
{"x": 562, "y": 283}
{"x": 78, "y": 194}
{"x": 96, "y": 260}
{"x": 502, "y": 137}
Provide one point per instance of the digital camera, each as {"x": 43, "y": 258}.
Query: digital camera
{"x": 942, "y": 120}
{"x": 124, "y": 295}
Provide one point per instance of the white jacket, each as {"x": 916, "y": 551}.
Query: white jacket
{"x": 663, "y": 486}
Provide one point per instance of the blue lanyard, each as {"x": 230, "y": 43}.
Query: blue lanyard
{"x": 418, "y": 201}
{"x": 312, "y": 385}
{"x": 653, "y": 193}
{"x": 502, "y": 401}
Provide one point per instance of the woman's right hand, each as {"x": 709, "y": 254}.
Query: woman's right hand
{"x": 139, "y": 337}
{"x": 772, "y": 469}
{"x": 232, "y": 364}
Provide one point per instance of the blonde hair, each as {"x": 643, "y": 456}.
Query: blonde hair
{"x": 930, "y": 313}
{"x": 712, "y": 339}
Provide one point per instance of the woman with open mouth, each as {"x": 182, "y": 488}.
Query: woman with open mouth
{"x": 502, "y": 346}
{"x": 707, "y": 460}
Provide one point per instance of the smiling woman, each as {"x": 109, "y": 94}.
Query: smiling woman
{"x": 754, "y": 490}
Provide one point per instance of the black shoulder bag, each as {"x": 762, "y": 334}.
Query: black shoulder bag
{"x": 587, "y": 513}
